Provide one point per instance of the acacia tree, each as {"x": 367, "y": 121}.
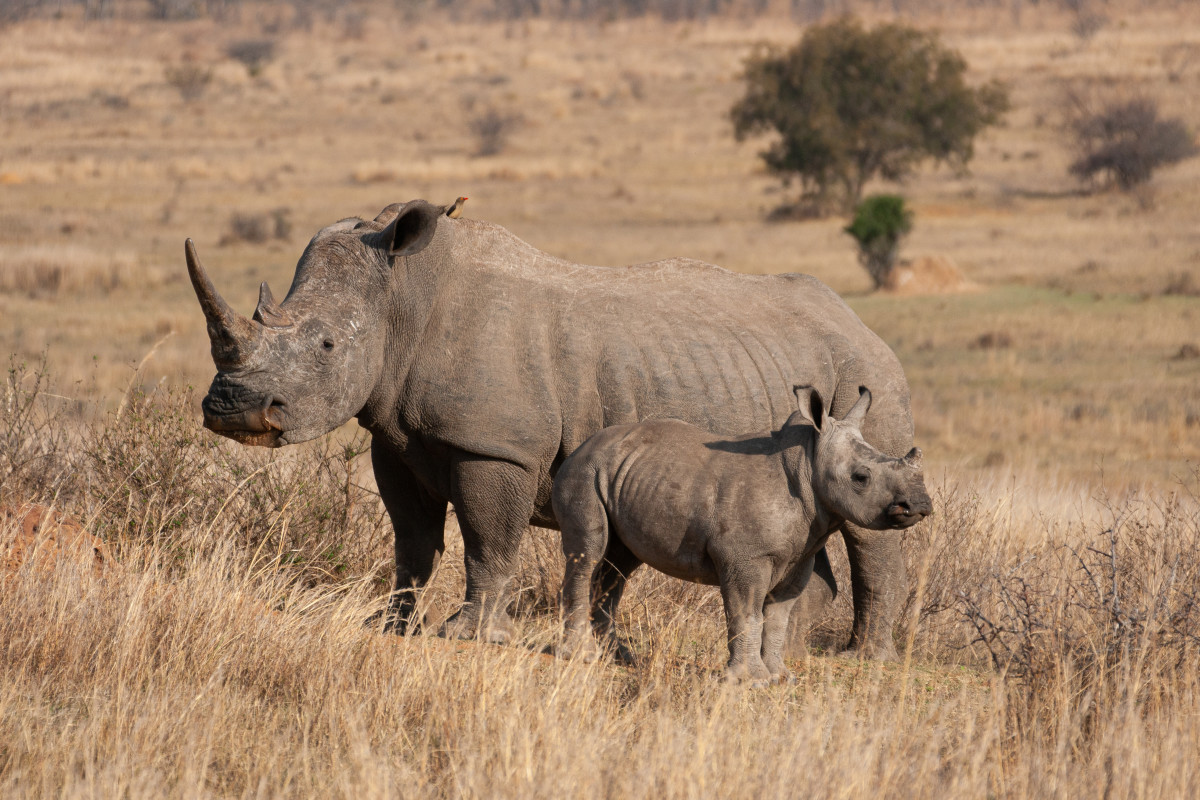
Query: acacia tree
{"x": 849, "y": 104}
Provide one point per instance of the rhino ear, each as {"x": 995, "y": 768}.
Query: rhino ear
{"x": 810, "y": 405}
{"x": 412, "y": 229}
{"x": 913, "y": 459}
{"x": 858, "y": 413}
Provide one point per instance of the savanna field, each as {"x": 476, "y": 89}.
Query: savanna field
{"x": 197, "y": 630}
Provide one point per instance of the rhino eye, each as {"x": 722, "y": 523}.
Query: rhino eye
{"x": 327, "y": 344}
{"x": 860, "y": 479}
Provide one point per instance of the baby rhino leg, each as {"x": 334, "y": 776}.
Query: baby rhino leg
{"x": 777, "y": 609}
{"x": 584, "y": 524}
{"x": 743, "y": 590}
{"x": 618, "y": 564}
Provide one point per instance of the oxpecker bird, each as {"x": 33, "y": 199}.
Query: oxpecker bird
{"x": 454, "y": 211}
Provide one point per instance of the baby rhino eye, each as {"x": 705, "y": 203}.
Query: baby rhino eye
{"x": 860, "y": 479}
{"x": 327, "y": 344}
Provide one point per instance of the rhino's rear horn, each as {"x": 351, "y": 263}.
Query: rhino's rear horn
{"x": 268, "y": 312}
{"x": 231, "y": 334}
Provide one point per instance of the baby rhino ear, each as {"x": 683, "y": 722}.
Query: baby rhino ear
{"x": 810, "y": 405}
{"x": 858, "y": 413}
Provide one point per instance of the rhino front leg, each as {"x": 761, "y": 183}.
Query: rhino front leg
{"x": 743, "y": 591}
{"x": 494, "y": 501}
{"x": 879, "y": 582}
{"x": 418, "y": 525}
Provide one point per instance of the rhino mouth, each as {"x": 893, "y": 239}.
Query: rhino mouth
{"x": 260, "y": 426}
{"x": 905, "y": 515}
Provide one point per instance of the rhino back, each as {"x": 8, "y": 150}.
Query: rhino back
{"x": 527, "y": 355}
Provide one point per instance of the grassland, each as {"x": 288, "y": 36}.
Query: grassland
{"x": 1052, "y": 623}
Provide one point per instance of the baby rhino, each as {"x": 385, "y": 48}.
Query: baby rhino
{"x": 748, "y": 514}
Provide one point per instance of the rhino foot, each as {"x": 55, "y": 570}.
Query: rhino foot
{"x": 465, "y": 624}
{"x": 756, "y": 675}
{"x": 621, "y": 652}
{"x": 780, "y": 673}
{"x": 395, "y": 621}
{"x": 578, "y": 647}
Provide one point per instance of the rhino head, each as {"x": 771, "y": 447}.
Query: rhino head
{"x": 851, "y": 478}
{"x": 298, "y": 369}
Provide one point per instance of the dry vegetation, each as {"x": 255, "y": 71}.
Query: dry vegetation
{"x": 1052, "y": 624}
{"x": 1051, "y": 644}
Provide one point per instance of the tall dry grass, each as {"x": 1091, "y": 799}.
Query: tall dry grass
{"x": 1050, "y": 644}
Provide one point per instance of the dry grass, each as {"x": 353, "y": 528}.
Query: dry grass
{"x": 227, "y": 657}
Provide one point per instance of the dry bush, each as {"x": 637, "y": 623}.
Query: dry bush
{"x": 1182, "y": 284}
{"x": 188, "y": 78}
{"x": 1085, "y": 604}
{"x": 253, "y": 54}
{"x": 257, "y": 228}
{"x": 49, "y": 270}
{"x": 1125, "y": 139}
{"x": 491, "y": 129}
{"x": 34, "y": 440}
{"x": 154, "y": 474}
{"x": 1086, "y": 22}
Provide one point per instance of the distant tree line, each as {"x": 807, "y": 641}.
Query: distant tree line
{"x": 1088, "y": 13}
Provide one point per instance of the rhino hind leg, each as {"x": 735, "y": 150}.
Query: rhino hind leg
{"x": 585, "y": 537}
{"x": 418, "y": 525}
{"x": 777, "y": 610}
{"x": 817, "y": 594}
{"x": 608, "y": 585}
{"x": 879, "y": 582}
{"x": 494, "y": 502}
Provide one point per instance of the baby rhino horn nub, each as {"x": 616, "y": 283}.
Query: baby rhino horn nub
{"x": 268, "y": 312}
{"x": 231, "y": 334}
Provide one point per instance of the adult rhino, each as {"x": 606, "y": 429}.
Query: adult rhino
{"x": 479, "y": 363}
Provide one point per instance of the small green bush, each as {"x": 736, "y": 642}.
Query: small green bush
{"x": 879, "y": 223}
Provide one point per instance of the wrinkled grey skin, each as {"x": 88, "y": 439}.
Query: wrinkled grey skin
{"x": 748, "y": 514}
{"x": 479, "y": 364}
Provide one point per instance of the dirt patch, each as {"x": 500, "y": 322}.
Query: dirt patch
{"x": 34, "y": 533}
{"x": 928, "y": 275}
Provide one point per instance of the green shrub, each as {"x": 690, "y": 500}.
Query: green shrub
{"x": 879, "y": 223}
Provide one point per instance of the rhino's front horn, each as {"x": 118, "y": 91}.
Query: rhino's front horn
{"x": 268, "y": 312}
{"x": 231, "y": 334}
